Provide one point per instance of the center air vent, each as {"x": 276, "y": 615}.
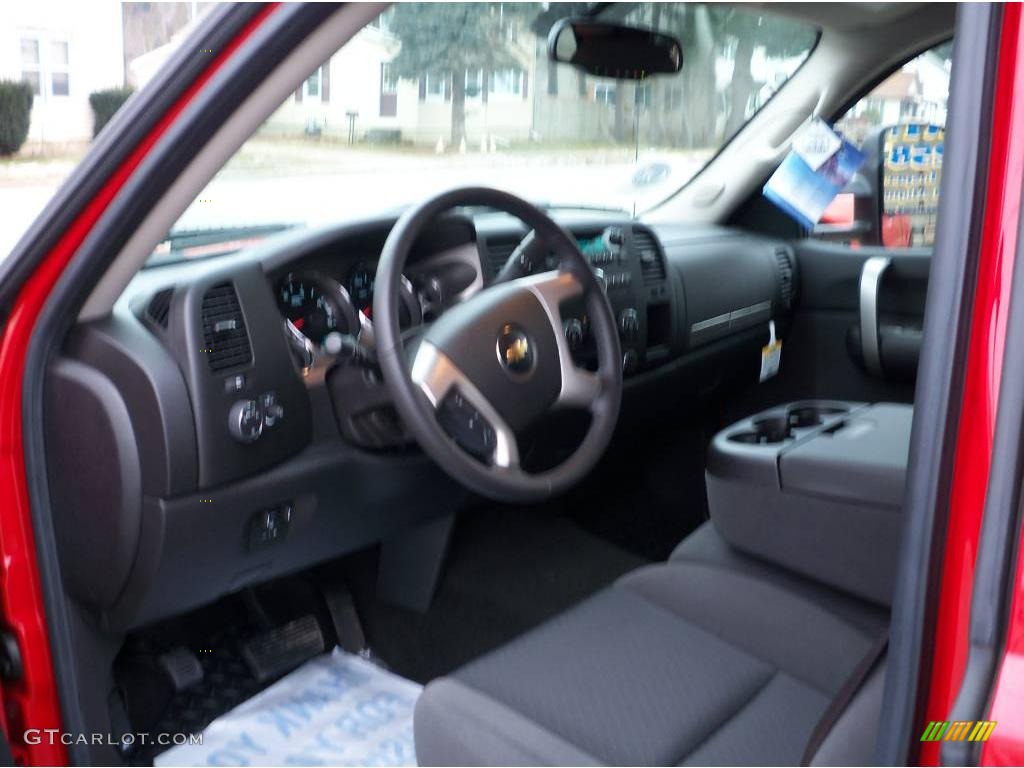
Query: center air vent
{"x": 498, "y": 251}
{"x": 651, "y": 263}
{"x": 225, "y": 338}
{"x": 784, "y": 265}
{"x": 159, "y": 307}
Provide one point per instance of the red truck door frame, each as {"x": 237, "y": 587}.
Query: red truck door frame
{"x": 991, "y": 651}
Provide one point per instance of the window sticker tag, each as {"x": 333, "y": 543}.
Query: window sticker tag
{"x": 815, "y": 142}
{"x": 771, "y": 354}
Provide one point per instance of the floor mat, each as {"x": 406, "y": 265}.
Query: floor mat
{"x": 338, "y": 709}
{"x": 648, "y": 493}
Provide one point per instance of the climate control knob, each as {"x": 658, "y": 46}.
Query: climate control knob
{"x": 245, "y": 421}
{"x": 573, "y": 333}
{"x": 629, "y": 323}
{"x": 629, "y": 361}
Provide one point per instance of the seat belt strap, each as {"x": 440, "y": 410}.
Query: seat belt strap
{"x": 843, "y": 697}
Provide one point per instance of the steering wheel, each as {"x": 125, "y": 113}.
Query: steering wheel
{"x": 497, "y": 363}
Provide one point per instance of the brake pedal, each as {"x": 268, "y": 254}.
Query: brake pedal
{"x": 273, "y": 653}
{"x": 348, "y": 629}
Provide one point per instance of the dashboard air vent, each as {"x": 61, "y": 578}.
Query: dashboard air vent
{"x": 651, "y": 263}
{"x": 225, "y": 338}
{"x": 784, "y": 265}
{"x": 498, "y": 251}
{"x": 159, "y": 307}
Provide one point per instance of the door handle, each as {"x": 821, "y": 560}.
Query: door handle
{"x": 870, "y": 280}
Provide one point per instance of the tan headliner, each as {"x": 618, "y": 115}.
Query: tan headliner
{"x": 851, "y": 17}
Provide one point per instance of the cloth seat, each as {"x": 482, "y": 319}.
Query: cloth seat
{"x": 710, "y": 658}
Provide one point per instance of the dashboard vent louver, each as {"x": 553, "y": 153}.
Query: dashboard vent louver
{"x": 784, "y": 265}
{"x": 651, "y": 263}
{"x": 225, "y": 337}
{"x": 159, "y": 307}
{"x": 498, "y": 251}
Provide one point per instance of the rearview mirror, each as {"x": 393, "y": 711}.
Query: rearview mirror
{"x": 612, "y": 50}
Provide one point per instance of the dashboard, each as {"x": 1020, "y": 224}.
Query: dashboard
{"x": 244, "y": 431}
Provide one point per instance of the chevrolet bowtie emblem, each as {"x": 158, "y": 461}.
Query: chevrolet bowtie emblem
{"x": 515, "y": 353}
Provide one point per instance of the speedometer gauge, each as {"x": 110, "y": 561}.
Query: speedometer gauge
{"x": 360, "y": 284}
{"x": 316, "y": 306}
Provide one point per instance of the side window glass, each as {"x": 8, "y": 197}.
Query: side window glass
{"x": 900, "y": 126}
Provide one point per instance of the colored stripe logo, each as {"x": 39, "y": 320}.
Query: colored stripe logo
{"x": 958, "y": 730}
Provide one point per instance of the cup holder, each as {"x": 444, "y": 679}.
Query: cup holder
{"x": 778, "y": 427}
{"x": 805, "y": 416}
{"x": 767, "y": 430}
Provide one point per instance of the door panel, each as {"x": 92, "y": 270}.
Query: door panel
{"x": 823, "y": 352}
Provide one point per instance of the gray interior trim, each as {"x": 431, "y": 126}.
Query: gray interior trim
{"x": 762, "y": 307}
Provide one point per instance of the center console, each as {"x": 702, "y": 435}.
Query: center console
{"x": 817, "y": 487}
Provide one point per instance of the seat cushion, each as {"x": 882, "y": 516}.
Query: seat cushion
{"x": 687, "y": 662}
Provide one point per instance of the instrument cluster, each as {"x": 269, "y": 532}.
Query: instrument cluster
{"x": 318, "y": 305}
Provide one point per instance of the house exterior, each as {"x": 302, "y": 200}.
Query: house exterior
{"x": 65, "y": 49}
{"x": 355, "y": 94}
{"x": 918, "y": 92}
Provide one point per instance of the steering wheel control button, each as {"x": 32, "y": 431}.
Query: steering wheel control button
{"x": 515, "y": 350}
{"x": 246, "y": 421}
{"x": 466, "y": 426}
{"x": 269, "y": 526}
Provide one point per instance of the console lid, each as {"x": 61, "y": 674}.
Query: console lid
{"x": 863, "y": 458}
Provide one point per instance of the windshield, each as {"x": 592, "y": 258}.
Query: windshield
{"x": 434, "y": 95}
{"x": 428, "y": 96}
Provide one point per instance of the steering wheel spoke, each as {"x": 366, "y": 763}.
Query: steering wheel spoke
{"x": 479, "y": 428}
{"x": 580, "y": 388}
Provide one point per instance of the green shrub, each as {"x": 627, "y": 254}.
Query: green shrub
{"x": 105, "y": 104}
{"x": 15, "y": 114}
